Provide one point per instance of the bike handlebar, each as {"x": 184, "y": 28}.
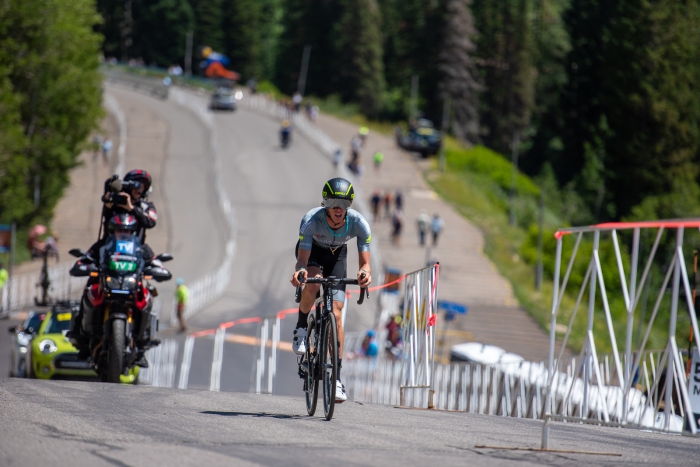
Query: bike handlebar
{"x": 330, "y": 281}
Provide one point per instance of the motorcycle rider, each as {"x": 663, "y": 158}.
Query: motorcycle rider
{"x": 144, "y": 217}
{"x": 322, "y": 252}
{"x": 285, "y": 132}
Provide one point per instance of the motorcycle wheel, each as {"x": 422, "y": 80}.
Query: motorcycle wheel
{"x": 115, "y": 358}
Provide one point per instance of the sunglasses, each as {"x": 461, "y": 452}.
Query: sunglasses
{"x": 337, "y": 203}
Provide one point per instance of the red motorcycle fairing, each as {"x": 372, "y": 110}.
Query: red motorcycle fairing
{"x": 95, "y": 295}
{"x": 142, "y": 298}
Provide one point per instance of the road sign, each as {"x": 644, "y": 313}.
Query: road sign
{"x": 453, "y": 307}
{"x": 694, "y": 386}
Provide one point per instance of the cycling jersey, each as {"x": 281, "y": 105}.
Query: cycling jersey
{"x": 314, "y": 229}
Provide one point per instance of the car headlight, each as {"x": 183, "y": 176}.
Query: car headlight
{"x": 239, "y": 95}
{"x": 47, "y": 346}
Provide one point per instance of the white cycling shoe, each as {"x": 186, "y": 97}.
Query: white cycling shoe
{"x": 299, "y": 341}
{"x": 340, "y": 395}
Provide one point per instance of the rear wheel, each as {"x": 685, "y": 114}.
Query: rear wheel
{"x": 115, "y": 359}
{"x": 329, "y": 361}
{"x": 311, "y": 381}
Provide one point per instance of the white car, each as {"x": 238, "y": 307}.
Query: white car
{"x": 22, "y": 336}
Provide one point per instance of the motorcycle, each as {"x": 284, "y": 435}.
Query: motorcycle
{"x": 118, "y": 303}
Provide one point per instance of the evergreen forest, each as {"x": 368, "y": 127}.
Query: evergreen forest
{"x": 598, "y": 98}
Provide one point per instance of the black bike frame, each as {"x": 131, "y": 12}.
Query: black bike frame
{"x": 320, "y": 320}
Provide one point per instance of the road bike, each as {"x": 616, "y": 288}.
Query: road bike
{"x": 320, "y": 362}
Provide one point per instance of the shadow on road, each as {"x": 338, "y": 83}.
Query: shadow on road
{"x": 255, "y": 414}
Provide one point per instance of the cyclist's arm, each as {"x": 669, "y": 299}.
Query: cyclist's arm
{"x": 364, "y": 267}
{"x": 302, "y": 261}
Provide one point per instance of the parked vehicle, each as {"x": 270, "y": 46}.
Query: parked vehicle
{"x": 422, "y": 137}
{"x": 22, "y": 336}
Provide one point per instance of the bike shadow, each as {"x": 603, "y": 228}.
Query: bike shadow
{"x": 255, "y": 414}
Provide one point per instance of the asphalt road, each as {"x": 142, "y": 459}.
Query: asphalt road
{"x": 95, "y": 424}
{"x": 270, "y": 189}
{"x": 81, "y": 423}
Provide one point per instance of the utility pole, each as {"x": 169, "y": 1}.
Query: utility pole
{"x": 414, "y": 97}
{"x": 514, "y": 174}
{"x": 301, "y": 85}
{"x": 188, "y": 54}
{"x": 540, "y": 222}
{"x": 444, "y": 129}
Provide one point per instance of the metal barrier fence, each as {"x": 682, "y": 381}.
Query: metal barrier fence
{"x": 635, "y": 409}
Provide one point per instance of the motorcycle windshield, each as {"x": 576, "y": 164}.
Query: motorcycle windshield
{"x": 122, "y": 255}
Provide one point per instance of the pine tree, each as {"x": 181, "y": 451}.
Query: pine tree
{"x": 504, "y": 54}
{"x": 160, "y": 30}
{"x": 459, "y": 79}
{"x": 208, "y": 29}
{"x": 359, "y": 54}
{"x": 50, "y": 100}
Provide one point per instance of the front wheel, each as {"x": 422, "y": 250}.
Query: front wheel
{"x": 115, "y": 358}
{"x": 329, "y": 362}
{"x": 311, "y": 381}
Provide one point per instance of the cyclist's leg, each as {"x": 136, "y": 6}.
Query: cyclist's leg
{"x": 313, "y": 269}
{"x": 339, "y": 269}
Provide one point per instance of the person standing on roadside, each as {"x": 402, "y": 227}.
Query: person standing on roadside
{"x": 378, "y": 158}
{"x": 387, "y": 204}
{"x": 3, "y": 293}
{"x": 436, "y": 226}
{"x": 398, "y": 200}
{"x": 96, "y": 146}
{"x": 376, "y": 199}
{"x": 106, "y": 149}
{"x": 181, "y": 294}
{"x": 423, "y": 223}
{"x": 397, "y": 223}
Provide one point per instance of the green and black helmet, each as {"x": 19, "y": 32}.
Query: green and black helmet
{"x": 338, "y": 192}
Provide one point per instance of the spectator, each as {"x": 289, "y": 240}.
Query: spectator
{"x": 3, "y": 276}
{"x": 378, "y": 158}
{"x": 181, "y": 294}
{"x": 376, "y": 199}
{"x": 387, "y": 204}
{"x": 393, "y": 338}
{"x": 106, "y": 149}
{"x": 436, "y": 226}
{"x": 337, "y": 157}
{"x": 397, "y": 223}
{"x": 96, "y": 146}
{"x": 398, "y": 200}
{"x": 369, "y": 345}
{"x": 296, "y": 100}
{"x": 423, "y": 223}
{"x": 355, "y": 147}
{"x": 364, "y": 133}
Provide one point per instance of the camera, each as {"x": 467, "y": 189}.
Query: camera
{"x": 113, "y": 186}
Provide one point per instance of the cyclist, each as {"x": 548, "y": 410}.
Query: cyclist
{"x": 322, "y": 252}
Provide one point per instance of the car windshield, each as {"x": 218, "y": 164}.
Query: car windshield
{"x": 223, "y": 92}
{"x": 34, "y": 321}
{"x": 58, "y": 323}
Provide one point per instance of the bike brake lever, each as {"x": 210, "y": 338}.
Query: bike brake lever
{"x": 297, "y": 295}
{"x": 363, "y": 292}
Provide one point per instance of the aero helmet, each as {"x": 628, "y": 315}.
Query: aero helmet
{"x": 338, "y": 192}
{"x": 142, "y": 176}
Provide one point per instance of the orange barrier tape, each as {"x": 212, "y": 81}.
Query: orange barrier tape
{"x": 283, "y": 313}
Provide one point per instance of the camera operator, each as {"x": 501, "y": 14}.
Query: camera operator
{"x": 120, "y": 197}
{"x": 128, "y": 196}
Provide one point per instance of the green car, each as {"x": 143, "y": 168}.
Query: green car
{"x": 53, "y": 356}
